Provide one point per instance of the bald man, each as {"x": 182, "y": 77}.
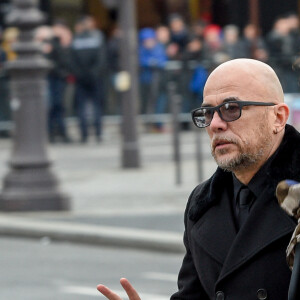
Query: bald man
{"x": 235, "y": 232}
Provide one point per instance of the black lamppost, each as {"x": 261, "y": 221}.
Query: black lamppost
{"x": 30, "y": 184}
{"x": 129, "y": 92}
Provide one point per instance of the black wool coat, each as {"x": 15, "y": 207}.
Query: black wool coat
{"x": 221, "y": 263}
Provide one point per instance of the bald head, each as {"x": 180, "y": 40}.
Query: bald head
{"x": 244, "y": 144}
{"x": 250, "y": 77}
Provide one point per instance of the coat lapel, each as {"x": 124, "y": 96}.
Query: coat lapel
{"x": 215, "y": 231}
{"x": 266, "y": 223}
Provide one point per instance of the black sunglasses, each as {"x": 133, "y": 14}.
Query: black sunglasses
{"x": 228, "y": 112}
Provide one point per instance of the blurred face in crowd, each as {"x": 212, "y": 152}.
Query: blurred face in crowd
{"x": 149, "y": 43}
{"x": 163, "y": 34}
{"x": 231, "y": 34}
{"x": 282, "y": 26}
{"x": 10, "y": 35}
{"x": 198, "y": 29}
{"x": 43, "y": 35}
{"x": 250, "y": 32}
{"x": 242, "y": 146}
{"x": 213, "y": 39}
{"x": 195, "y": 45}
{"x": 90, "y": 23}
{"x": 63, "y": 33}
{"x": 177, "y": 25}
{"x": 172, "y": 50}
{"x": 79, "y": 28}
{"x": 293, "y": 21}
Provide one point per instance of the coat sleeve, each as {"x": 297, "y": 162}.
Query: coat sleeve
{"x": 189, "y": 285}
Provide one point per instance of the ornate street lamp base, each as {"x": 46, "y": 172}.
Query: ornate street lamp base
{"x": 32, "y": 190}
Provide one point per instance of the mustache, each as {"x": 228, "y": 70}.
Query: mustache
{"x": 217, "y": 140}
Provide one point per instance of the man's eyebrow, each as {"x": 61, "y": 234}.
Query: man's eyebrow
{"x": 231, "y": 99}
{"x": 224, "y": 101}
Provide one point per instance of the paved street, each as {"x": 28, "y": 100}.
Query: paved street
{"x": 41, "y": 270}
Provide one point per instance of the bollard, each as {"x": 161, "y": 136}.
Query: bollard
{"x": 175, "y": 101}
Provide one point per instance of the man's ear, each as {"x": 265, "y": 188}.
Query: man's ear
{"x": 282, "y": 112}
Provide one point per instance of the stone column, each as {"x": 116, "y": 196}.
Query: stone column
{"x": 30, "y": 184}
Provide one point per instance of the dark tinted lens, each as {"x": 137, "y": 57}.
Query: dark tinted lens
{"x": 203, "y": 116}
{"x": 230, "y": 111}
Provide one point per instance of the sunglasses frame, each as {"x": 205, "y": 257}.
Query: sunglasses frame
{"x": 240, "y": 103}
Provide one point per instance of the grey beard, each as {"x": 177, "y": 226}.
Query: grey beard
{"x": 243, "y": 161}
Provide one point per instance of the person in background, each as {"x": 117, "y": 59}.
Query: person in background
{"x": 89, "y": 63}
{"x": 9, "y": 37}
{"x": 152, "y": 61}
{"x": 179, "y": 33}
{"x": 197, "y": 29}
{"x": 114, "y": 67}
{"x": 180, "y": 37}
{"x": 213, "y": 54}
{"x": 232, "y": 46}
{"x": 163, "y": 36}
{"x": 2, "y": 52}
{"x": 60, "y": 56}
{"x": 197, "y": 70}
{"x": 283, "y": 53}
{"x": 294, "y": 33}
{"x": 4, "y": 91}
{"x": 253, "y": 44}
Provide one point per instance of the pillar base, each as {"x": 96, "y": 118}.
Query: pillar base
{"x": 34, "y": 189}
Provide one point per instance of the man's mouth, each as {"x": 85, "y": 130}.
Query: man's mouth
{"x": 222, "y": 145}
{"x": 219, "y": 144}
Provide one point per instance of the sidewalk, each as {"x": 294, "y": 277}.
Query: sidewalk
{"x": 140, "y": 208}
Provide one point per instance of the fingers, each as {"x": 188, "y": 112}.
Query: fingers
{"x": 107, "y": 292}
{"x": 131, "y": 292}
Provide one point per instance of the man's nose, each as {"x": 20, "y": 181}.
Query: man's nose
{"x": 217, "y": 123}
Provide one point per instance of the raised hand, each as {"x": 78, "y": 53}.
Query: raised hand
{"x": 109, "y": 294}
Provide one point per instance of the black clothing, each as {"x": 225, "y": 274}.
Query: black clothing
{"x": 283, "y": 51}
{"x": 60, "y": 58}
{"x": 89, "y": 63}
{"x": 88, "y": 56}
{"x": 240, "y": 264}
{"x": 245, "y": 199}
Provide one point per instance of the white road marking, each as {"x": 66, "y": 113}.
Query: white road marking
{"x": 161, "y": 276}
{"x": 89, "y": 291}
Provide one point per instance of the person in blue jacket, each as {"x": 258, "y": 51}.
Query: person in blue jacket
{"x": 152, "y": 61}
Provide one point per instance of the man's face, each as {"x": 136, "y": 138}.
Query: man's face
{"x": 245, "y": 142}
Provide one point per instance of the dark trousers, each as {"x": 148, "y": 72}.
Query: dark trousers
{"x": 56, "y": 112}
{"x": 86, "y": 93}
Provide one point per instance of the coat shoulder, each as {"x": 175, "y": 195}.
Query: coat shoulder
{"x": 199, "y": 202}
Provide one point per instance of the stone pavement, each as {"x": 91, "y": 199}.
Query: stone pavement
{"x": 140, "y": 208}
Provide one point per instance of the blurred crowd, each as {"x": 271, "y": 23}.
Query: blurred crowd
{"x": 86, "y": 59}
